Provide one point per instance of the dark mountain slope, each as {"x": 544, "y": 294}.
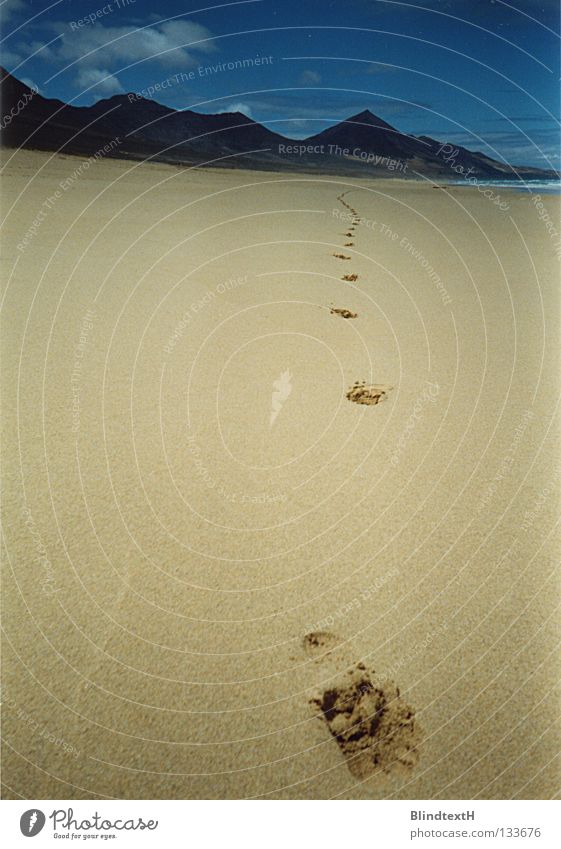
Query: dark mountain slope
{"x": 145, "y": 128}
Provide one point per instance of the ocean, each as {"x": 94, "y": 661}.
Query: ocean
{"x": 547, "y": 187}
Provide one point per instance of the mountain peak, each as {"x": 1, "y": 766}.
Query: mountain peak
{"x": 368, "y": 117}
{"x": 365, "y": 115}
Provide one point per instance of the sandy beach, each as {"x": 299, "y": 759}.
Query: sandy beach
{"x": 273, "y": 445}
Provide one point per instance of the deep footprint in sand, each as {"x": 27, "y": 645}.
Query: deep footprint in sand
{"x": 368, "y": 393}
{"x": 375, "y": 729}
{"x": 343, "y": 312}
{"x": 318, "y": 643}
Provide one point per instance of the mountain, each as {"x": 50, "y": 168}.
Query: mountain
{"x": 142, "y": 127}
{"x": 167, "y": 129}
{"x": 367, "y": 132}
{"x": 130, "y": 126}
{"x": 480, "y": 164}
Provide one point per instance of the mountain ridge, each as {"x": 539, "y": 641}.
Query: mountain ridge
{"x": 362, "y": 144}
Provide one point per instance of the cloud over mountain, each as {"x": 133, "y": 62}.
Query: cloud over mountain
{"x": 98, "y": 52}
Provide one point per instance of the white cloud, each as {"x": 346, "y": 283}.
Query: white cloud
{"x": 9, "y": 8}
{"x": 30, "y": 84}
{"x": 236, "y": 107}
{"x": 375, "y": 68}
{"x": 310, "y": 78}
{"x": 104, "y": 82}
{"x": 96, "y": 51}
{"x": 118, "y": 46}
{"x": 10, "y": 59}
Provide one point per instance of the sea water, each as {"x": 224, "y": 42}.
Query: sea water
{"x": 548, "y": 187}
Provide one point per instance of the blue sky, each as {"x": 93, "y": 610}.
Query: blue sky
{"x": 481, "y": 73}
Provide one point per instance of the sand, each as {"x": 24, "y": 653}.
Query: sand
{"x": 189, "y": 493}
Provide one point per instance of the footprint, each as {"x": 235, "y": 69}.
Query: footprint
{"x": 350, "y": 277}
{"x": 341, "y": 256}
{"x": 343, "y": 312}
{"x": 363, "y": 393}
{"x": 375, "y": 729}
{"x": 319, "y": 643}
